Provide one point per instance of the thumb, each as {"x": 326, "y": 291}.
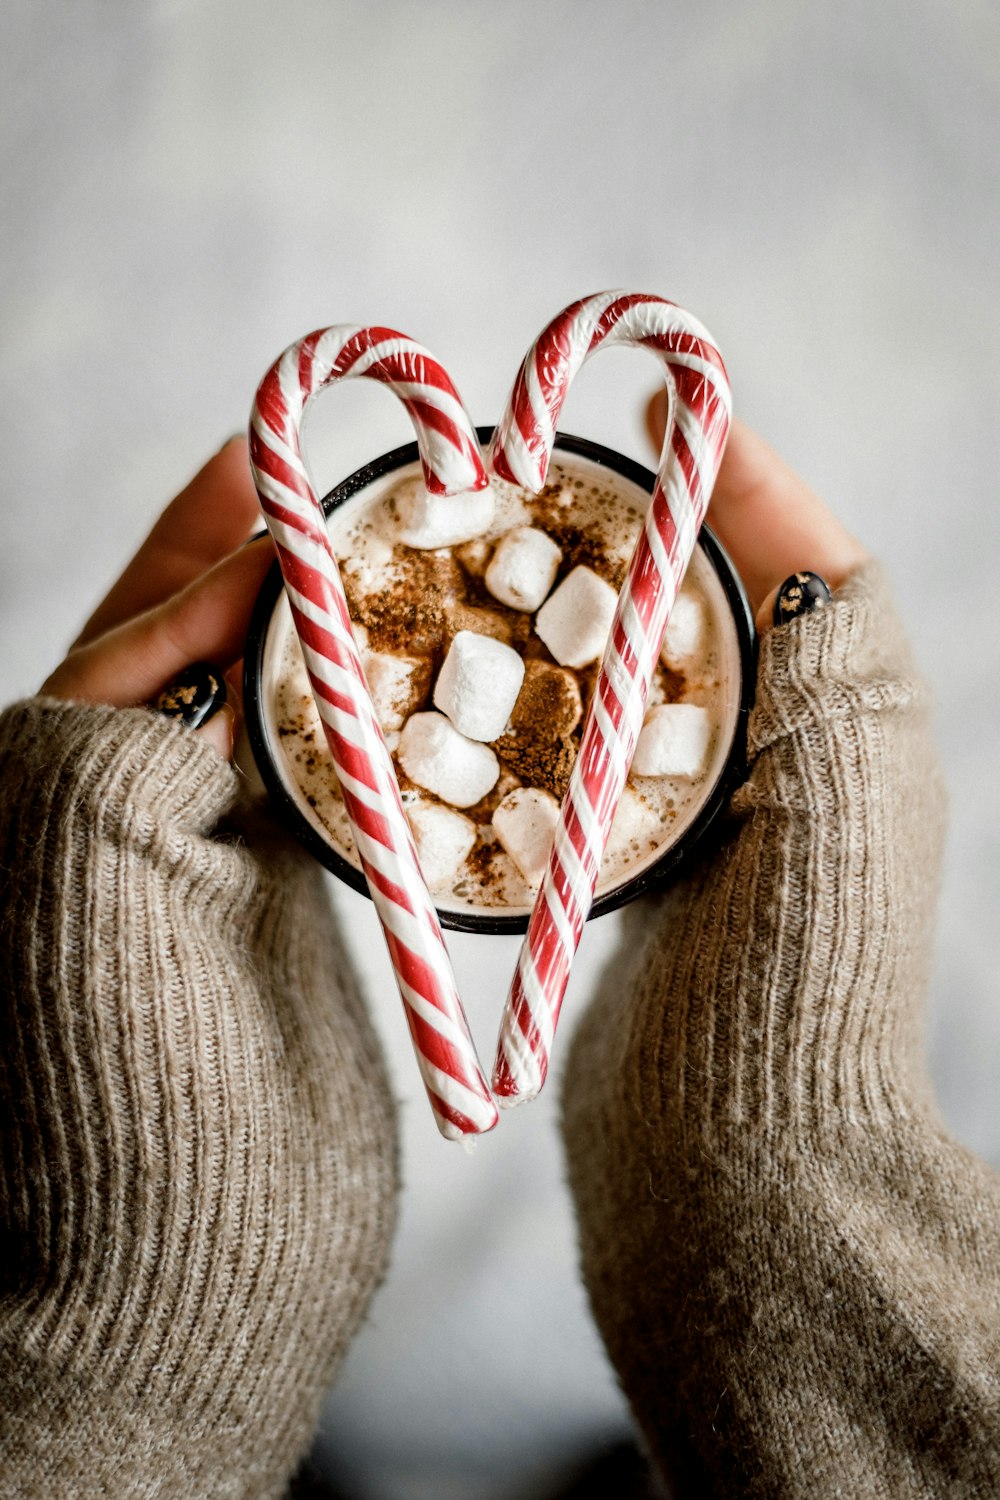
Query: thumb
{"x": 207, "y": 621}
{"x": 767, "y": 518}
{"x": 219, "y": 732}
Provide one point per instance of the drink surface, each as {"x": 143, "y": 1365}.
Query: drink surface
{"x": 408, "y": 605}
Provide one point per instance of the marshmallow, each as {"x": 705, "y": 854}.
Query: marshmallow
{"x": 687, "y": 630}
{"x": 430, "y": 521}
{"x": 575, "y": 621}
{"x": 474, "y": 556}
{"x": 478, "y": 685}
{"x": 674, "y": 741}
{"x": 438, "y": 758}
{"x": 396, "y": 685}
{"x": 443, "y": 839}
{"x": 296, "y": 680}
{"x": 630, "y": 830}
{"x": 365, "y": 572}
{"x": 523, "y": 568}
{"x": 525, "y": 822}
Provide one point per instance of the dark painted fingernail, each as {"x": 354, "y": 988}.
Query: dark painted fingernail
{"x": 799, "y": 595}
{"x": 194, "y": 696}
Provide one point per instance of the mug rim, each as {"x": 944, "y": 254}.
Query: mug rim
{"x": 494, "y": 921}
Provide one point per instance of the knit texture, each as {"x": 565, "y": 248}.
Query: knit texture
{"x": 197, "y": 1147}
{"x": 794, "y": 1268}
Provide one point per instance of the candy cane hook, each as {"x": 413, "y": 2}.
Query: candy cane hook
{"x": 451, "y": 461}
{"x": 692, "y": 451}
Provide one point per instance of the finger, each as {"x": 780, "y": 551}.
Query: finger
{"x": 212, "y": 516}
{"x": 767, "y": 518}
{"x": 234, "y": 688}
{"x": 207, "y": 621}
{"x": 219, "y": 732}
{"x": 773, "y": 525}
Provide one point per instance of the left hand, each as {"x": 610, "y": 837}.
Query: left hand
{"x": 767, "y": 518}
{"x": 185, "y": 597}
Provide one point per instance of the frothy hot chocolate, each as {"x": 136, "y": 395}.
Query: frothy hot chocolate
{"x": 481, "y": 655}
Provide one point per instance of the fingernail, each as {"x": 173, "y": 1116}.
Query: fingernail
{"x": 234, "y": 437}
{"x": 799, "y": 595}
{"x": 194, "y": 696}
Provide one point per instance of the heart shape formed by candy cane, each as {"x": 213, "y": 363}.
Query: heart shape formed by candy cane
{"x": 449, "y": 452}
{"x": 452, "y": 463}
{"x": 692, "y": 450}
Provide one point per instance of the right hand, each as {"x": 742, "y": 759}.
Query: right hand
{"x": 185, "y": 597}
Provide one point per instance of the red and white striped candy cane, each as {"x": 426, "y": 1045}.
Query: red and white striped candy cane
{"x": 451, "y": 460}
{"x": 692, "y": 451}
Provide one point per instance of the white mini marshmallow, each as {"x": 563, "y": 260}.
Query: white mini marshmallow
{"x": 523, "y": 568}
{"x": 438, "y": 758}
{"x": 478, "y": 685}
{"x": 443, "y": 839}
{"x": 474, "y": 556}
{"x": 391, "y": 685}
{"x": 630, "y": 830}
{"x": 430, "y": 521}
{"x": 525, "y": 822}
{"x": 575, "y": 621}
{"x": 674, "y": 741}
{"x": 296, "y": 679}
{"x": 366, "y": 571}
{"x": 687, "y": 630}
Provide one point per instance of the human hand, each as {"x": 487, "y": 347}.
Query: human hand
{"x": 185, "y": 597}
{"x": 761, "y": 1182}
{"x": 767, "y": 518}
{"x": 197, "y": 1157}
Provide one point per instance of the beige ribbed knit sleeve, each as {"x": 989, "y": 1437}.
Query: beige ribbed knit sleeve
{"x": 197, "y": 1150}
{"x": 795, "y": 1269}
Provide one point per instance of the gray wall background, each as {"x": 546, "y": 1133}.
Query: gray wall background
{"x": 188, "y": 187}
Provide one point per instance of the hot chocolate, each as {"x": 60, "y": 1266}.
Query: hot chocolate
{"x": 480, "y": 627}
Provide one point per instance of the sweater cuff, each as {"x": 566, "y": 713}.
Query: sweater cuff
{"x": 118, "y": 763}
{"x": 839, "y": 660}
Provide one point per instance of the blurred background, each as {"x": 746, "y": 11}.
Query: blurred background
{"x": 188, "y": 187}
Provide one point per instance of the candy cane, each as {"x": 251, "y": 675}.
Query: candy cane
{"x": 451, "y": 462}
{"x": 692, "y": 451}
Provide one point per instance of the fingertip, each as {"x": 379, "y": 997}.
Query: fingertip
{"x": 657, "y": 412}
{"x": 764, "y": 618}
{"x": 219, "y": 731}
{"x": 234, "y": 687}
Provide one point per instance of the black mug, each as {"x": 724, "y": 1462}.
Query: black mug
{"x": 733, "y": 622}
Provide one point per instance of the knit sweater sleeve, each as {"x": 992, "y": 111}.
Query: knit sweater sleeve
{"x": 196, "y": 1138}
{"x": 795, "y": 1268}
